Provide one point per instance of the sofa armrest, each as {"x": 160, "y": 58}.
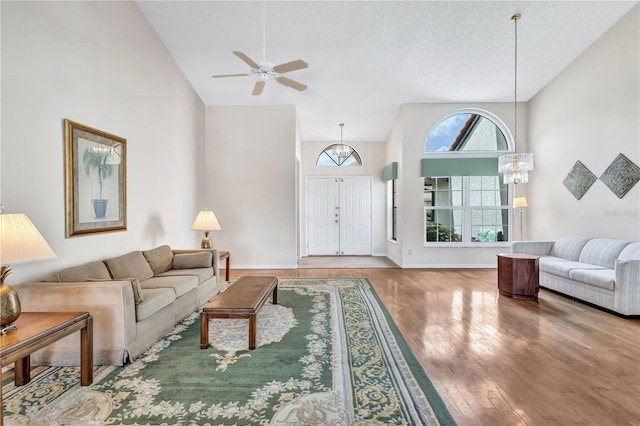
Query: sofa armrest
{"x": 627, "y": 286}
{"x": 536, "y": 248}
{"x": 111, "y": 304}
{"x": 215, "y": 263}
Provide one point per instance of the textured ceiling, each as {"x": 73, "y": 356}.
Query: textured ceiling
{"x": 367, "y": 58}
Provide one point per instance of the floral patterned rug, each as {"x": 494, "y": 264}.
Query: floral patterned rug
{"x": 327, "y": 354}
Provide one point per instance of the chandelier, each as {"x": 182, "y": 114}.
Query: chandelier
{"x": 515, "y": 167}
{"x": 342, "y": 150}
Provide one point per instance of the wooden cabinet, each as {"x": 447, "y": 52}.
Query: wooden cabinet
{"x": 518, "y": 275}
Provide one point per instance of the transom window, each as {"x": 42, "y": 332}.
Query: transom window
{"x": 464, "y": 132}
{"x": 329, "y": 157}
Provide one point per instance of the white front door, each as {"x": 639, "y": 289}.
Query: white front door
{"x": 339, "y": 216}
{"x": 323, "y": 195}
{"x": 355, "y": 216}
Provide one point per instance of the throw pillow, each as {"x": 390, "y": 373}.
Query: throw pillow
{"x": 137, "y": 291}
{"x": 160, "y": 259}
{"x": 129, "y": 265}
{"x": 202, "y": 259}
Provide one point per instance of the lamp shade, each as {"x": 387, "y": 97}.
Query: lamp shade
{"x": 20, "y": 241}
{"x": 206, "y": 221}
{"x": 520, "y": 202}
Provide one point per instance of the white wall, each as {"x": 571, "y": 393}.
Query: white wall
{"x": 417, "y": 120}
{"x": 591, "y": 113}
{"x": 100, "y": 64}
{"x": 250, "y": 160}
{"x": 372, "y": 155}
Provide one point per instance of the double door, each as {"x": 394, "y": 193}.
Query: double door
{"x": 339, "y": 216}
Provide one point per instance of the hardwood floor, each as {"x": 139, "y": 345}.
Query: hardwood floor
{"x": 499, "y": 361}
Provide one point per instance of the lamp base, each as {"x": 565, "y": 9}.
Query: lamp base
{"x": 8, "y": 329}
{"x": 206, "y": 243}
{"x": 9, "y": 305}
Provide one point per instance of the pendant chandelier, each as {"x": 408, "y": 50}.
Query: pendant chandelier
{"x": 515, "y": 167}
{"x": 342, "y": 150}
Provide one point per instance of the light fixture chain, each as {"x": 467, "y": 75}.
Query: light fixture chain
{"x": 515, "y": 19}
{"x": 264, "y": 31}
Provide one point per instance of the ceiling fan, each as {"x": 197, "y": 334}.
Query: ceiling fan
{"x": 267, "y": 71}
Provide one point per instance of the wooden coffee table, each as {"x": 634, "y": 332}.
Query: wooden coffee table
{"x": 242, "y": 300}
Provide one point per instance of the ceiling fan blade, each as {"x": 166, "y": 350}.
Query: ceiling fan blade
{"x": 257, "y": 89}
{"x": 229, "y": 75}
{"x": 290, "y": 66}
{"x": 290, "y": 83}
{"x": 246, "y": 59}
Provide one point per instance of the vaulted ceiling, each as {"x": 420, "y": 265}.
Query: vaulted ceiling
{"x": 367, "y": 58}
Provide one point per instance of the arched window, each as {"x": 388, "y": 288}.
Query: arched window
{"x": 468, "y": 130}
{"x": 337, "y": 155}
{"x": 465, "y": 201}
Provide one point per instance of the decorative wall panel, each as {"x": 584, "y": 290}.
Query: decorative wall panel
{"x": 579, "y": 180}
{"x": 621, "y": 175}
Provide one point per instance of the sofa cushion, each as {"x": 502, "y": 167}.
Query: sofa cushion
{"x": 568, "y": 248}
{"x": 203, "y": 274}
{"x": 88, "y": 271}
{"x": 179, "y": 284}
{"x": 602, "y": 252}
{"x": 160, "y": 259}
{"x": 563, "y": 268}
{"x": 603, "y": 278}
{"x": 154, "y": 300}
{"x": 130, "y": 265}
{"x": 201, "y": 259}
{"x": 630, "y": 252}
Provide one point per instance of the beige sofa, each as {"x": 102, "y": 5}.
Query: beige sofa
{"x": 135, "y": 299}
{"x": 600, "y": 271}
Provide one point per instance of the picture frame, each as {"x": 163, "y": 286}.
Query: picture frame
{"x": 95, "y": 180}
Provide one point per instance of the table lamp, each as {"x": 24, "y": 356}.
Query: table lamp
{"x": 206, "y": 221}
{"x": 20, "y": 242}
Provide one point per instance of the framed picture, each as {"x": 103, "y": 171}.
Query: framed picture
{"x": 95, "y": 180}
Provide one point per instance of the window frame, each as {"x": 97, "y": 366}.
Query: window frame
{"x": 466, "y": 223}
{"x": 392, "y": 210}
{"x": 466, "y": 209}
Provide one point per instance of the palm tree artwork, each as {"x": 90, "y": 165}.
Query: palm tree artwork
{"x": 96, "y": 158}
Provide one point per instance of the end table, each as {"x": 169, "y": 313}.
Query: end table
{"x": 222, "y": 256}
{"x": 518, "y": 276}
{"x": 39, "y": 329}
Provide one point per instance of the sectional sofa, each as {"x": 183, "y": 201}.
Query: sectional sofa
{"x": 135, "y": 299}
{"x": 604, "y": 272}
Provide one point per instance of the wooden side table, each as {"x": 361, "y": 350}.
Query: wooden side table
{"x": 518, "y": 276}
{"x": 39, "y": 329}
{"x": 222, "y": 255}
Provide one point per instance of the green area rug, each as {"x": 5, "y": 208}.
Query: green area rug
{"x": 328, "y": 354}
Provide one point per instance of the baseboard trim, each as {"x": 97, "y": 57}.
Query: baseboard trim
{"x": 448, "y": 266}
